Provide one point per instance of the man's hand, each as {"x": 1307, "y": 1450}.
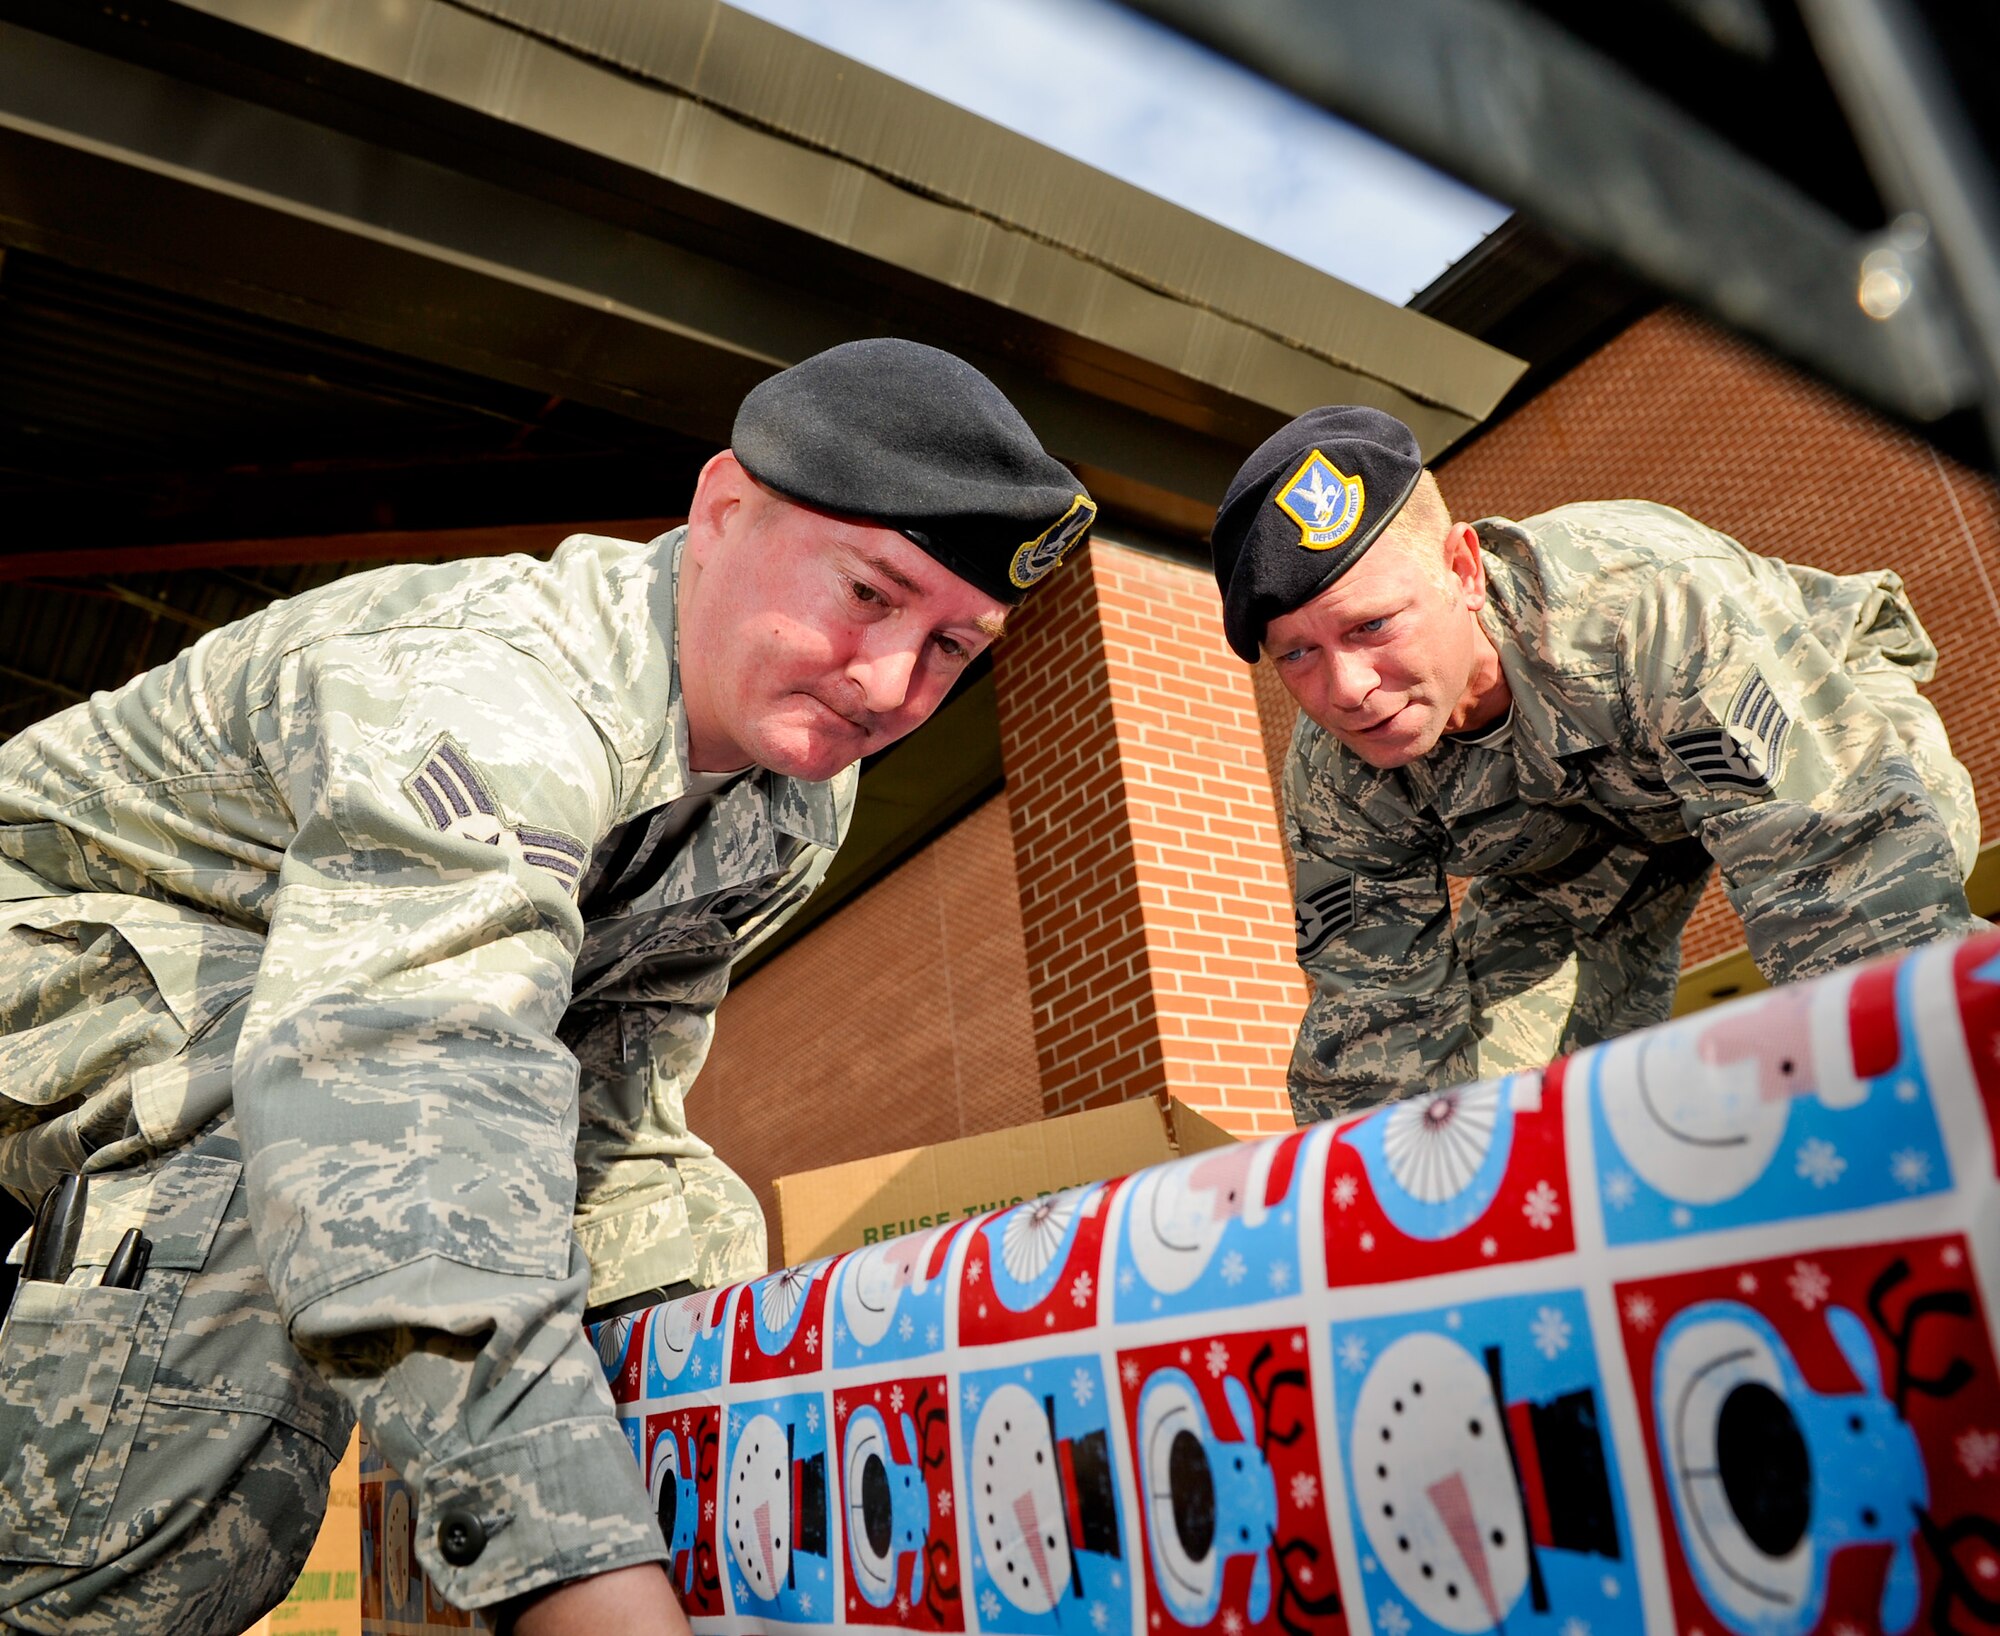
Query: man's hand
{"x": 637, "y": 1600}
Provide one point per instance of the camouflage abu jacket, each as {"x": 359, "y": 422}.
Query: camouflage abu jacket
{"x": 1677, "y": 699}
{"x": 370, "y": 810}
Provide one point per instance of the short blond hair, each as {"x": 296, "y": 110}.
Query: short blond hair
{"x": 1419, "y": 531}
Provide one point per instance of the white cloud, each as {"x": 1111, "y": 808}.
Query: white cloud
{"x": 1109, "y": 87}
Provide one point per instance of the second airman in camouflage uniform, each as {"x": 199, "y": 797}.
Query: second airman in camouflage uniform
{"x": 1583, "y": 713}
{"x": 362, "y": 956}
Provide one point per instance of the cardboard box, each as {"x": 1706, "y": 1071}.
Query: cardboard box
{"x": 326, "y": 1601}
{"x": 842, "y": 1207}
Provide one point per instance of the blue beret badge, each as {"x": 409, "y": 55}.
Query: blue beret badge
{"x": 1324, "y": 501}
{"x": 1037, "y": 559}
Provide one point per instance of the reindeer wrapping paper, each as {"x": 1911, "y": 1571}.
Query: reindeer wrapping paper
{"x": 1691, "y": 1333}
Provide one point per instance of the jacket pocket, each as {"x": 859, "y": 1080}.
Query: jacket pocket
{"x": 77, "y": 1360}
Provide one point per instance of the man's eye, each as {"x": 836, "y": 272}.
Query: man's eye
{"x": 1371, "y": 626}
{"x": 951, "y": 647}
{"x": 1291, "y": 656}
{"x": 864, "y": 592}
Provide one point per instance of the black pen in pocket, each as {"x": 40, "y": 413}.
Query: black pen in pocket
{"x": 128, "y": 1262}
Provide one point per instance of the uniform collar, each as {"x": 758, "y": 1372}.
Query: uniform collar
{"x": 1515, "y": 618}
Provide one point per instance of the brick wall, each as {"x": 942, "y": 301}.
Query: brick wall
{"x": 900, "y": 1021}
{"x": 1155, "y": 912}
{"x": 1679, "y": 411}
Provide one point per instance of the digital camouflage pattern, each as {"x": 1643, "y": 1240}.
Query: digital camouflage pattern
{"x": 1679, "y": 702}
{"x": 321, "y": 875}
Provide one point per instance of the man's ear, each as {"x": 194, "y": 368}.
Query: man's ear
{"x": 1461, "y": 555}
{"x": 720, "y": 491}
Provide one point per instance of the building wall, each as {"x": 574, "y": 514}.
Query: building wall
{"x": 898, "y": 1022}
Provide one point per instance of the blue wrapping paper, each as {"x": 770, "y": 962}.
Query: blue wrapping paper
{"x": 1692, "y": 1332}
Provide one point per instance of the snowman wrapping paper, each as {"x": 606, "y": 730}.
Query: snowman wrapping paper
{"x": 1692, "y": 1333}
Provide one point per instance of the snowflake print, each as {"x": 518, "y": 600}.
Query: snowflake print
{"x": 1620, "y": 1188}
{"x": 989, "y": 1605}
{"x": 1640, "y": 1311}
{"x": 812, "y": 1417}
{"x": 942, "y": 1501}
{"x": 840, "y": 1408}
{"x": 1551, "y": 1332}
{"x": 1353, "y": 1351}
{"x": 1100, "y": 1616}
{"x": 743, "y": 1317}
{"x": 1808, "y": 1284}
{"x": 1082, "y": 1387}
{"x": 906, "y": 1326}
{"x": 1541, "y": 1204}
{"x": 902, "y": 1607}
{"x": 839, "y": 1333}
{"x": 1232, "y": 1269}
{"x": 1746, "y": 1283}
{"x": 1819, "y": 1162}
{"x": 1217, "y": 1359}
{"x": 1489, "y": 1247}
{"x": 1979, "y": 1452}
{"x": 1911, "y": 1169}
{"x": 812, "y": 1337}
{"x": 1128, "y": 1372}
{"x": 1124, "y": 1280}
{"x": 805, "y": 1603}
{"x": 1232, "y": 1622}
{"x": 1575, "y": 1627}
{"x": 1951, "y": 1255}
{"x": 1391, "y": 1620}
{"x": 1079, "y": 1290}
{"x": 1279, "y": 1277}
{"x": 1345, "y": 1191}
{"x": 1367, "y": 1241}
{"x": 972, "y": 1401}
{"x": 930, "y": 1335}
{"x": 895, "y": 1400}
{"x": 972, "y": 1271}
{"x": 1305, "y": 1490}
{"x": 708, "y": 1510}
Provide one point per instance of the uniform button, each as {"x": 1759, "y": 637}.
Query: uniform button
{"x": 461, "y": 1536}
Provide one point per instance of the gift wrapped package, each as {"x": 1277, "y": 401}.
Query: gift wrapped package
{"x": 1689, "y": 1333}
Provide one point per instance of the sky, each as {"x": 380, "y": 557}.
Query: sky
{"x": 1171, "y": 117}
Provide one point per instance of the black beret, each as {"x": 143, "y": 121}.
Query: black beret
{"x": 901, "y": 434}
{"x": 1303, "y": 509}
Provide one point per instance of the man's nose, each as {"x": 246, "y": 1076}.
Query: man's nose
{"x": 1349, "y": 680}
{"x": 883, "y": 672}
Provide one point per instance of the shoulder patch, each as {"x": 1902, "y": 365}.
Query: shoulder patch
{"x": 1745, "y": 752}
{"x": 1324, "y": 908}
{"x": 448, "y": 790}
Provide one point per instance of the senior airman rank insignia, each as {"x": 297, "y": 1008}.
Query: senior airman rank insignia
{"x": 455, "y": 800}
{"x": 1037, "y": 559}
{"x": 1324, "y": 501}
{"x": 1325, "y": 906}
{"x": 1746, "y": 750}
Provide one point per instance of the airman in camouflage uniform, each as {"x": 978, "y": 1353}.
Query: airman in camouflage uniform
{"x": 362, "y": 957}
{"x": 1656, "y": 700}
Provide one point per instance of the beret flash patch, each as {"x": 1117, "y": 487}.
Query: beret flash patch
{"x": 1325, "y": 907}
{"x": 1038, "y": 558}
{"x": 1324, "y": 501}
{"x": 1746, "y": 752}
{"x": 454, "y": 800}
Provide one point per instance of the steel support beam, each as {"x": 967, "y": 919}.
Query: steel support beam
{"x": 1504, "y": 99}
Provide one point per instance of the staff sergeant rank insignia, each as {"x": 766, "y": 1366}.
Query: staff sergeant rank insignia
{"x": 1322, "y": 909}
{"x": 1747, "y": 751}
{"x": 1038, "y": 558}
{"x": 455, "y": 800}
{"x": 1324, "y": 501}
